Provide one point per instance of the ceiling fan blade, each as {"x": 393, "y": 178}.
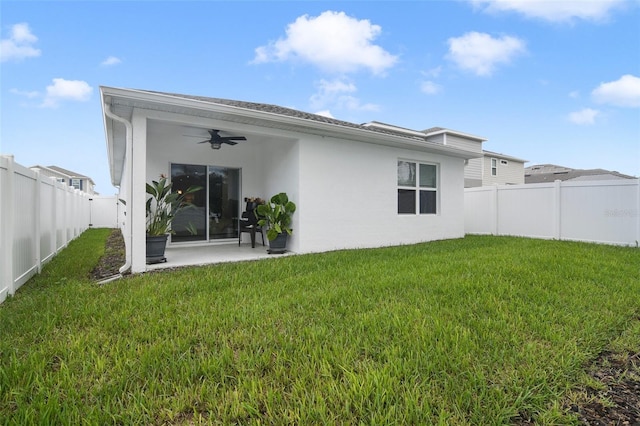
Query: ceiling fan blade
{"x": 234, "y": 138}
{"x": 207, "y": 141}
{"x": 230, "y": 142}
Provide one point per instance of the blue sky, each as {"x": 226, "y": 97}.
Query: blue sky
{"x": 549, "y": 82}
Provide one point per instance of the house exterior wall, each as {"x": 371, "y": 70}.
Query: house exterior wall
{"x": 511, "y": 173}
{"x": 473, "y": 173}
{"x": 348, "y": 197}
{"x": 84, "y": 184}
{"x": 346, "y": 191}
{"x": 53, "y": 174}
{"x": 463, "y": 143}
{"x": 439, "y": 138}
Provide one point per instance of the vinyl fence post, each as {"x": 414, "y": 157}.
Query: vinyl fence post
{"x": 638, "y": 214}
{"x": 6, "y": 227}
{"x": 557, "y": 210}
{"x": 37, "y": 200}
{"x": 54, "y": 217}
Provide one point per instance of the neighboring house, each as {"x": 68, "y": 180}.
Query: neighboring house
{"x": 78, "y": 181}
{"x": 355, "y": 185}
{"x": 494, "y": 169}
{"x": 540, "y": 173}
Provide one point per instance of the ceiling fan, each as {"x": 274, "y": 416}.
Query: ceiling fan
{"x": 216, "y": 140}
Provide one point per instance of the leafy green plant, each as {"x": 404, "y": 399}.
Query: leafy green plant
{"x": 164, "y": 205}
{"x": 276, "y": 214}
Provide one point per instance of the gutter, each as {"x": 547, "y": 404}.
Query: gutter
{"x": 128, "y": 154}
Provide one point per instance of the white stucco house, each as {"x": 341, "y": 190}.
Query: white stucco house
{"x": 355, "y": 185}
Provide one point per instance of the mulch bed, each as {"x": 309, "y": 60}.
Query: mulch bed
{"x": 617, "y": 403}
{"x": 112, "y": 259}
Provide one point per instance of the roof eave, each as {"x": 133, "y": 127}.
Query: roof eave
{"x": 456, "y": 133}
{"x": 115, "y": 177}
{"x": 319, "y": 127}
{"x": 506, "y": 157}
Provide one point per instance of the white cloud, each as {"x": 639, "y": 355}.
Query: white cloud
{"x": 338, "y": 94}
{"x": 111, "y": 60}
{"x": 433, "y": 72}
{"x": 430, "y": 88}
{"x": 61, "y": 89}
{"x": 624, "y": 92}
{"x": 584, "y": 116}
{"x": 481, "y": 53}
{"x": 327, "y": 92}
{"x": 19, "y": 45}
{"x": 333, "y": 42}
{"x": 325, "y": 113}
{"x": 553, "y": 11}
{"x": 27, "y": 94}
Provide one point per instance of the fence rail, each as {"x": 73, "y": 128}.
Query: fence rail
{"x": 593, "y": 211}
{"x": 38, "y": 218}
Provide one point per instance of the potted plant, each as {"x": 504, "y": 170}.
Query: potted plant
{"x": 276, "y": 214}
{"x": 162, "y": 207}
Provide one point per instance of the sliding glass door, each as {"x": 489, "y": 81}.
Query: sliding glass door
{"x": 214, "y": 214}
{"x": 224, "y": 192}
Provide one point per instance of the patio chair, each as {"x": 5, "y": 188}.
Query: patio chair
{"x": 248, "y": 222}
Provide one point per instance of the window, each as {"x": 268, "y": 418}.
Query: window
{"x": 76, "y": 183}
{"x": 417, "y": 188}
{"x": 504, "y": 162}
{"x": 494, "y": 167}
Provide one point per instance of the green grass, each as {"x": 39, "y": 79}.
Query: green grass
{"x": 471, "y": 331}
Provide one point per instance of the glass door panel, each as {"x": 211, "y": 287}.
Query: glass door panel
{"x": 190, "y": 224}
{"x": 224, "y": 194}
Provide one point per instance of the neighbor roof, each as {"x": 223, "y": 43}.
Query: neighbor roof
{"x": 65, "y": 172}
{"x": 540, "y": 173}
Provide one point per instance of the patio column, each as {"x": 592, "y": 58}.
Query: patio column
{"x": 137, "y": 166}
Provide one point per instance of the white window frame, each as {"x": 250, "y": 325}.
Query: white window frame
{"x": 417, "y": 188}
{"x": 76, "y": 183}
{"x": 494, "y": 167}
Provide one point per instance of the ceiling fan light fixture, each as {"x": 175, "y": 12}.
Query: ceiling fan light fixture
{"x": 215, "y": 145}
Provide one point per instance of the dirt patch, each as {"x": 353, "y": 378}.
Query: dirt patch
{"x": 617, "y": 401}
{"x": 112, "y": 259}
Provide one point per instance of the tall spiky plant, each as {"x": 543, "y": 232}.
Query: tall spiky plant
{"x": 164, "y": 205}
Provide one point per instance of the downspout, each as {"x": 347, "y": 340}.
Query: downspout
{"x": 128, "y": 155}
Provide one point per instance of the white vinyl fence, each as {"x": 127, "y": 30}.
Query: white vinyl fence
{"x": 105, "y": 212}
{"x": 38, "y": 218}
{"x": 594, "y": 211}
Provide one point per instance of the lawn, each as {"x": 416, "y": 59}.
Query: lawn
{"x": 480, "y": 330}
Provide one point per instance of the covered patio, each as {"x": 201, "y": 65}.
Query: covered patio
{"x": 207, "y": 254}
